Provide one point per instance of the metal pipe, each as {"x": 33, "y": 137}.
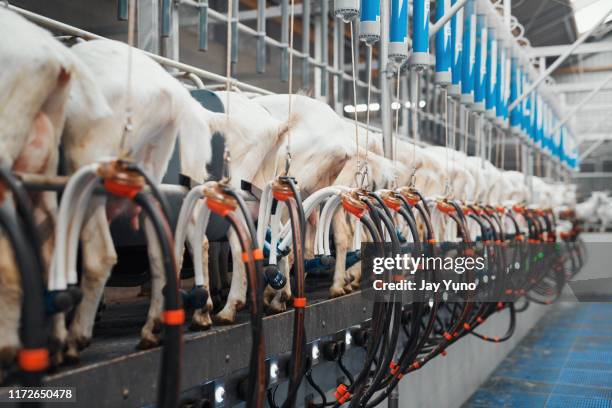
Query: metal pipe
{"x": 234, "y": 45}
{"x": 122, "y": 10}
{"x": 203, "y": 26}
{"x": 306, "y": 43}
{"x": 447, "y": 16}
{"x": 284, "y": 59}
{"x": 579, "y": 106}
{"x": 559, "y": 60}
{"x": 324, "y": 46}
{"x": 260, "y": 64}
{"x": 166, "y": 17}
{"x": 47, "y": 22}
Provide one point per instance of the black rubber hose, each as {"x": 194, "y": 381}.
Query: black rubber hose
{"x": 373, "y": 341}
{"x": 169, "y": 380}
{"x": 25, "y": 212}
{"x": 33, "y": 314}
{"x": 299, "y": 331}
{"x": 155, "y": 192}
{"x": 395, "y": 325}
{"x": 257, "y": 377}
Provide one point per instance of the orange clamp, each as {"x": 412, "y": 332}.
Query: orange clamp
{"x": 466, "y": 326}
{"x": 219, "y": 207}
{"x": 447, "y": 336}
{"x": 394, "y": 367}
{"x": 445, "y": 207}
{"x": 174, "y": 317}
{"x": 444, "y": 353}
{"x": 480, "y": 319}
{"x": 299, "y": 302}
{"x": 416, "y": 365}
{"x": 257, "y": 255}
{"x": 33, "y": 360}
{"x": 120, "y": 189}
{"x": 342, "y": 394}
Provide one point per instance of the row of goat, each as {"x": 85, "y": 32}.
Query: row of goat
{"x": 74, "y": 100}
{"x": 597, "y": 209}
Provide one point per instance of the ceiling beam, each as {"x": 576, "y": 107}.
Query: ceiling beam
{"x": 577, "y": 87}
{"x": 587, "y": 48}
{"x": 591, "y": 149}
{"x": 594, "y": 137}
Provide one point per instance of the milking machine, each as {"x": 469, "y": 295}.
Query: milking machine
{"x": 118, "y": 179}
{"x": 33, "y": 357}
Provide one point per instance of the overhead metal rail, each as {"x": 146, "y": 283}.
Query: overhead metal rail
{"x": 278, "y": 44}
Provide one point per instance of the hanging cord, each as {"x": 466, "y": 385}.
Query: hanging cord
{"x": 369, "y": 100}
{"x": 358, "y": 172}
{"x": 466, "y": 130}
{"x": 228, "y": 58}
{"x": 128, "y": 126}
{"x": 447, "y": 183}
{"x": 415, "y": 118}
{"x": 519, "y": 155}
{"x": 395, "y": 136}
{"x": 290, "y": 106}
{"x": 503, "y": 150}
{"x": 228, "y": 85}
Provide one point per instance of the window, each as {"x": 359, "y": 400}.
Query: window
{"x": 588, "y": 12}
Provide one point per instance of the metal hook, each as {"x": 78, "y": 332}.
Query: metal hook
{"x": 413, "y": 176}
{"x": 287, "y": 163}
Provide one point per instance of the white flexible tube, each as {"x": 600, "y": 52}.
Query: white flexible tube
{"x": 180, "y": 234}
{"x": 75, "y": 228}
{"x": 196, "y": 247}
{"x": 58, "y": 275}
{"x": 265, "y": 209}
{"x": 275, "y": 225}
{"x": 333, "y": 202}
{"x": 357, "y": 237}
{"x": 309, "y": 205}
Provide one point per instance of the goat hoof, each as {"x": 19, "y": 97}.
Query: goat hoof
{"x": 147, "y": 343}
{"x": 335, "y": 292}
{"x": 348, "y": 289}
{"x": 7, "y": 356}
{"x": 355, "y": 285}
{"x": 200, "y": 321}
{"x": 82, "y": 342}
{"x": 224, "y": 318}
{"x": 71, "y": 357}
{"x": 277, "y": 307}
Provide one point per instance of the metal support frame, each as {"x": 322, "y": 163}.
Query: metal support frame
{"x": 591, "y": 149}
{"x": 582, "y": 103}
{"x": 261, "y": 34}
{"x": 269, "y": 12}
{"x": 148, "y": 25}
{"x": 558, "y": 62}
{"x": 324, "y": 47}
{"x": 306, "y": 43}
{"x": 446, "y": 18}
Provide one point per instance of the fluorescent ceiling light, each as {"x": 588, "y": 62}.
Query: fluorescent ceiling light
{"x": 587, "y": 13}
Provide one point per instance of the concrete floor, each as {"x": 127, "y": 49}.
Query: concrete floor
{"x": 566, "y": 359}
